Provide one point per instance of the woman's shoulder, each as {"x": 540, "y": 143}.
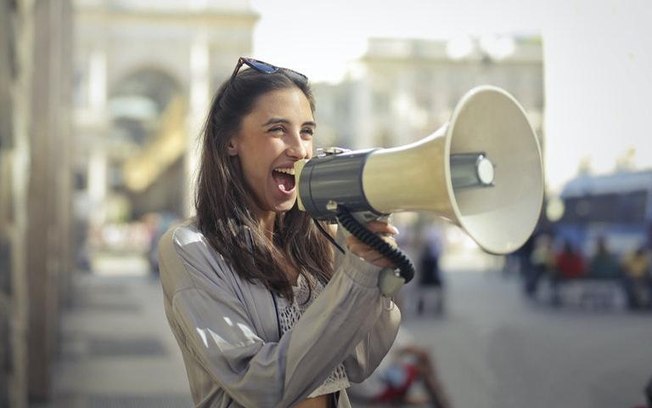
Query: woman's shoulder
{"x": 188, "y": 258}
{"x": 187, "y": 240}
{"x": 183, "y": 231}
{"x": 184, "y": 240}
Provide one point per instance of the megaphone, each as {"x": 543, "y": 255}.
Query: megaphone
{"x": 482, "y": 171}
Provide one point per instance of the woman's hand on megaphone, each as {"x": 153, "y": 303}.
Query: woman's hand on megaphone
{"x": 386, "y": 231}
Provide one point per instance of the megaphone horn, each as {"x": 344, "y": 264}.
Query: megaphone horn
{"x": 481, "y": 171}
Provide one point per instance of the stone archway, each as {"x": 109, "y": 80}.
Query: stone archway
{"x": 137, "y": 102}
{"x": 147, "y": 144}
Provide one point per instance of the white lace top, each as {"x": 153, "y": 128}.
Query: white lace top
{"x": 289, "y": 314}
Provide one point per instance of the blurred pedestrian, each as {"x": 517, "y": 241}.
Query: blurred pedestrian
{"x": 430, "y": 295}
{"x": 603, "y": 263}
{"x": 396, "y": 379}
{"x": 542, "y": 261}
{"x": 520, "y": 261}
{"x": 636, "y": 268}
{"x": 569, "y": 265}
{"x": 157, "y": 223}
{"x": 604, "y": 267}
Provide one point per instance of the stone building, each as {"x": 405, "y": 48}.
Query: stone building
{"x": 144, "y": 76}
{"x": 402, "y": 90}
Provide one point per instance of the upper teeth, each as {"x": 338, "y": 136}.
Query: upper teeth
{"x": 289, "y": 171}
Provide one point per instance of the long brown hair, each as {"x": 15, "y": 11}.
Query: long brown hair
{"x": 223, "y": 201}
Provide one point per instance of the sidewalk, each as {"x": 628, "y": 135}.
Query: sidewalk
{"x": 116, "y": 349}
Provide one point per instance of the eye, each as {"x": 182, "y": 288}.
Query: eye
{"x": 276, "y": 130}
{"x": 307, "y": 132}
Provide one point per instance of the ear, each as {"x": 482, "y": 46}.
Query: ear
{"x": 232, "y": 147}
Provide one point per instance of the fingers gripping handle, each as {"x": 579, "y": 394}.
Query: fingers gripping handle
{"x": 390, "y": 280}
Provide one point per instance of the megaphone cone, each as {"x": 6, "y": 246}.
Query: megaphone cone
{"x": 482, "y": 171}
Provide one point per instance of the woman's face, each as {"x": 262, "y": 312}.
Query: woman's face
{"x": 277, "y": 133}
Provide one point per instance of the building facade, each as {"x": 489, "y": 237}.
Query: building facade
{"x": 402, "y": 90}
{"x": 144, "y": 76}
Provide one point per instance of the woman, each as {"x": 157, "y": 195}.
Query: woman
{"x": 265, "y": 313}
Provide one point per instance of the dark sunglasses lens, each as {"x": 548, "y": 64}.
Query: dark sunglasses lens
{"x": 261, "y": 66}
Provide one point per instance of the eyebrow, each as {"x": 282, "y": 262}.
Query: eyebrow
{"x": 273, "y": 121}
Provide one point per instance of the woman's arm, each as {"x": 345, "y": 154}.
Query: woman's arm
{"x": 368, "y": 354}
{"x": 210, "y": 318}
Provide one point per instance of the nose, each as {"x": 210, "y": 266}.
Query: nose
{"x": 297, "y": 148}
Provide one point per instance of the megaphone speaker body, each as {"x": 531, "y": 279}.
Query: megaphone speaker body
{"x": 488, "y": 138}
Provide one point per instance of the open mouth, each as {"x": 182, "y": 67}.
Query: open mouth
{"x": 284, "y": 178}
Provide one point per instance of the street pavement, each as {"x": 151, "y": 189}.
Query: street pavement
{"x": 116, "y": 349}
{"x": 495, "y": 348}
{"x": 491, "y": 347}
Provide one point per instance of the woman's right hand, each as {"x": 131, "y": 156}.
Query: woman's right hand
{"x": 387, "y": 232}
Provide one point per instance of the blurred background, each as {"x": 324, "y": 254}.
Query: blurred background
{"x": 101, "y": 105}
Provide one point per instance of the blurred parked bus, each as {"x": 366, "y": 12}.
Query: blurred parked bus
{"x": 616, "y": 206}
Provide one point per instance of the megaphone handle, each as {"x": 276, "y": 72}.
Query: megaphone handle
{"x": 398, "y": 257}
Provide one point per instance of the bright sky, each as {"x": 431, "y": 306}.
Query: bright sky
{"x": 321, "y": 37}
{"x": 598, "y": 59}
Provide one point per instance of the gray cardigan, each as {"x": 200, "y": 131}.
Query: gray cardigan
{"x": 227, "y": 327}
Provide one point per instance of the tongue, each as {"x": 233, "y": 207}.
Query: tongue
{"x": 284, "y": 181}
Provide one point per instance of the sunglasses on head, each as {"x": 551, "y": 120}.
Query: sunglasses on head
{"x": 262, "y": 67}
